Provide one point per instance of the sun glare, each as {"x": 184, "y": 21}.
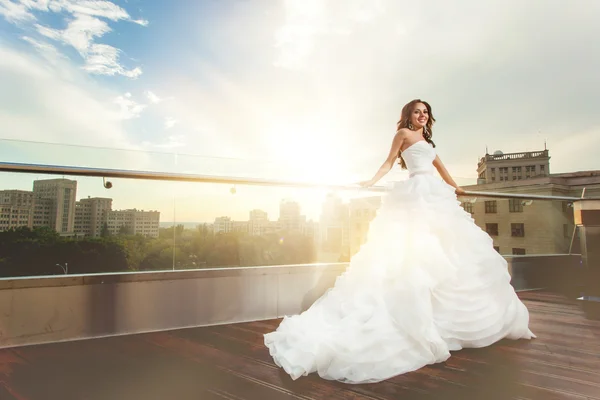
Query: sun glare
{"x": 308, "y": 152}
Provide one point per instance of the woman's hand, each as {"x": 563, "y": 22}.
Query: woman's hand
{"x": 459, "y": 191}
{"x": 366, "y": 184}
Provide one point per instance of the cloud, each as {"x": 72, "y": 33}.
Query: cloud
{"x": 153, "y": 98}
{"x": 87, "y": 22}
{"x": 15, "y": 12}
{"x": 49, "y": 52}
{"x": 59, "y": 104}
{"x": 128, "y": 107}
{"x": 170, "y": 122}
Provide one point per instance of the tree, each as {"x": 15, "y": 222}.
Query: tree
{"x": 27, "y": 252}
{"x": 105, "y": 232}
{"x": 125, "y": 230}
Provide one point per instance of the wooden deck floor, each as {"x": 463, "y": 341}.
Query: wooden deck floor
{"x": 230, "y": 362}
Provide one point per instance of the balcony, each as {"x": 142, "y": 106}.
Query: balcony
{"x": 188, "y": 330}
{"x": 500, "y": 156}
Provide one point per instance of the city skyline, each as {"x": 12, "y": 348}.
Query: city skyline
{"x": 180, "y": 201}
{"x": 53, "y": 203}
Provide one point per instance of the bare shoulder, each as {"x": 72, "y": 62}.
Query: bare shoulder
{"x": 403, "y": 133}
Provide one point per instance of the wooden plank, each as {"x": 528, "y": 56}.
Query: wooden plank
{"x": 268, "y": 374}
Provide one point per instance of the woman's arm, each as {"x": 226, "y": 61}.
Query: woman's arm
{"x": 437, "y": 163}
{"x": 389, "y": 161}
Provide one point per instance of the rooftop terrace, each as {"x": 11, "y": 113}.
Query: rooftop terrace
{"x": 230, "y": 362}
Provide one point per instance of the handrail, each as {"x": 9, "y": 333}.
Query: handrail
{"x": 169, "y": 176}
{"x": 162, "y": 176}
{"x": 497, "y": 195}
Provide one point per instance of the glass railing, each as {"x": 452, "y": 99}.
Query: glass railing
{"x": 525, "y": 224}
{"x": 153, "y": 211}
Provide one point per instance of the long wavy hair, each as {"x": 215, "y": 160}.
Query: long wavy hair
{"x": 404, "y": 122}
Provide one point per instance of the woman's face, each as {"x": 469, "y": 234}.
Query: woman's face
{"x": 419, "y": 116}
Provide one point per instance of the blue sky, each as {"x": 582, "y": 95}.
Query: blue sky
{"x": 293, "y": 89}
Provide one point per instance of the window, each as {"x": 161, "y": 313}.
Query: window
{"x": 516, "y": 173}
{"x": 515, "y": 205}
{"x": 491, "y": 207}
{"x": 517, "y": 230}
{"x": 518, "y": 251}
{"x": 497, "y": 248}
{"x": 542, "y": 170}
{"x": 529, "y": 171}
{"x": 491, "y": 229}
{"x": 468, "y": 207}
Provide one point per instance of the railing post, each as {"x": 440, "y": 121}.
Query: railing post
{"x": 587, "y": 219}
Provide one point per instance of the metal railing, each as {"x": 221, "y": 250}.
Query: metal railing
{"x": 168, "y": 176}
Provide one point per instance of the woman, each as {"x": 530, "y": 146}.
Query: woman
{"x": 428, "y": 281}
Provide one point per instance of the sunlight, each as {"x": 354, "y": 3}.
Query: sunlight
{"x": 309, "y": 150}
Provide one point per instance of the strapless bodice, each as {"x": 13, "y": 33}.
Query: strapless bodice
{"x": 419, "y": 158}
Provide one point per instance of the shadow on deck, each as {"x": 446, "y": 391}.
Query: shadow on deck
{"x": 230, "y": 362}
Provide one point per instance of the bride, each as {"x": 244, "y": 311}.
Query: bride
{"x": 427, "y": 282}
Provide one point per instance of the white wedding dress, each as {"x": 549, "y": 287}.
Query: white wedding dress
{"x": 428, "y": 281}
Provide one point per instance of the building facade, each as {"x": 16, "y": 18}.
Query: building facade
{"x": 91, "y": 215}
{"x": 501, "y": 167}
{"x": 528, "y": 227}
{"x": 58, "y": 196}
{"x": 16, "y": 209}
{"x": 133, "y": 222}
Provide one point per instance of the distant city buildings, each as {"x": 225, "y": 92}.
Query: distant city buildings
{"x": 52, "y": 203}
{"x": 516, "y": 227}
{"x": 258, "y": 224}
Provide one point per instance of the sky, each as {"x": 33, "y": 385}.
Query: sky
{"x": 288, "y": 89}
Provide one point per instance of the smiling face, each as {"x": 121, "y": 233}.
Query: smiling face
{"x": 419, "y": 116}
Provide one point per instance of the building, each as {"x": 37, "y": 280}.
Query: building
{"x": 58, "y": 197}
{"x": 312, "y": 230}
{"x": 94, "y": 217}
{"x": 500, "y": 167}
{"x": 222, "y": 225}
{"x": 91, "y": 215}
{"x": 362, "y": 212}
{"x": 240, "y": 226}
{"x": 16, "y": 209}
{"x": 258, "y": 222}
{"x": 528, "y": 227}
{"x": 290, "y": 219}
{"x": 334, "y": 230}
{"x": 133, "y": 222}
{"x": 52, "y": 204}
